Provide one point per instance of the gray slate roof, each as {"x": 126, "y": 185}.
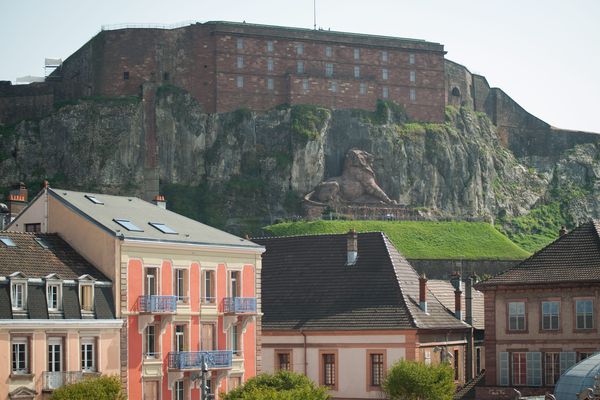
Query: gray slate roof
{"x": 444, "y": 292}
{"x": 574, "y": 257}
{"x": 306, "y": 284}
{"x": 141, "y": 213}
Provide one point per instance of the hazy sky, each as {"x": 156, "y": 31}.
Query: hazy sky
{"x": 545, "y": 54}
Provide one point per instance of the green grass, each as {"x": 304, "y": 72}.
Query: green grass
{"x": 422, "y": 239}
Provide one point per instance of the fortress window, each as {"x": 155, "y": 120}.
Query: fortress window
{"x": 455, "y": 91}
{"x": 300, "y": 49}
{"x": 270, "y": 46}
{"x": 328, "y": 69}
{"x": 385, "y": 92}
{"x": 240, "y": 43}
{"x": 270, "y": 84}
{"x": 333, "y": 86}
{"x": 270, "y": 64}
{"x": 356, "y": 71}
{"x": 411, "y": 58}
{"x": 305, "y": 85}
{"x": 328, "y": 51}
{"x": 413, "y": 94}
{"x": 240, "y": 61}
{"x": 363, "y": 88}
{"x": 357, "y": 54}
{"x": 126, "y": 75}
{"x": 165, "y": 76}
{"x": 384, "y": 74}
{"x": 413, "y": 76}
{"x": 240, "y": 81}
{"x": 300, "y": 67}
{"x": 384, "y": 56}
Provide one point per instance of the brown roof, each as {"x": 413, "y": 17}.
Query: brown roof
{"x": 306, "y": 284}
{"x": 35, "y": 261}
{"x": 444, "y": 292}
{"x": 574, "y": 257}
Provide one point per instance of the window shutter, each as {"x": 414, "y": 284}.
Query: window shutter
{"x": 504, "y": 368}
{"x": 567, "y": 360}
{"x": 534, "y": 368}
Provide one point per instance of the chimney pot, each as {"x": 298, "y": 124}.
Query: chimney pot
{"x": 160, "y": 201}
{"x": 352, "y": 247}
{"x": 423, "y": 292}
{"x": 457, "y": 304}
{"x": 563, "y": 231}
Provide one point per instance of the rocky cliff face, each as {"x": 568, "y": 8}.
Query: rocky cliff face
{"x": 244, "y": 169}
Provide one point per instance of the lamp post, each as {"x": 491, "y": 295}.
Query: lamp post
{"x": 204, "y": 371}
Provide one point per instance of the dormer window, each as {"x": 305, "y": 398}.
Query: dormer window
{"x": 86, "y": 294}
{"x": 18, "y": 291}
{"x": 53, "y": 292}
{"x": 7, "y": 241}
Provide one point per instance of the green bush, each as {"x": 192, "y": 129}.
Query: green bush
{"x": 101, "y": 388}
{"x": 411, "y": 380}
{"x": 307, "y": 120}
{"x": 283, "y": 385}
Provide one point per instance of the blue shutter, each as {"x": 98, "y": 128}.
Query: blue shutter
{"x": 534, "y": 368}
{"x": 567, "y": 360}
{"x": 504, "y": 368}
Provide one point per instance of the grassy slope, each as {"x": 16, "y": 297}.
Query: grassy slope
{"x": 422, "y": 240}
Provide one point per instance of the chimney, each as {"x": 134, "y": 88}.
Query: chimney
{"x": 17, "y": 199}
{"x": 423, "y": 292}
{"x": 563, "y": 231}
{"x": 469, "y": 320}
{"x": 457, "y": 305}
{"x": 352, "y": 246}
{"x": 159, "y": 200}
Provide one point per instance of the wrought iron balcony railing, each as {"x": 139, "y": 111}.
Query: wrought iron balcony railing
{"x": 55, "y": 380}
{"x": 186, "y": 360}
{"x": 239, "y": 305}
{"x": 157, "y": 304}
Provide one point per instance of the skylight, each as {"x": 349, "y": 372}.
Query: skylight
{"x": 7, "y": 241}
{"x": 93, "y": 199}
{"x": 41, "y": 242}
{"x": 127, "y": 224}
{"x": 163, "y": 228}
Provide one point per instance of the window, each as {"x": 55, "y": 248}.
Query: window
{"x": 305, "y": 85}
{"x": 240, "y": 81}
{"x": 165, "y": 76}
{"x": 376, "y": 368}
{"x": 151, "y": 342}
{"x": 456, "y": 365}
{"x": 240, "y": 61}
{"x": 356, "y": 71}
{"x": 534, "y": 368}
{"x": 584, "y": 314}
{"x": 270, "y": 64}
{"x": 516, "y": 316}
{"x": 151, "y": 279}
{"x": 328, "y": 370}
{"x": 239, "y": 44}
{"x": 328, "y": 51}
{"x": 519, "y": 368}
{"x": 88, "y": 355}
{"x": 567, "y": 360}
{"x": 357, "y": 54}
{"x": 181, "y": 285}
{"x": 164, "y": 228}
{"x": 235, "y": 382}
{"x": 411, "y": 58}
{"x": 180, "y": 344}
{"x": 53, "y": 296}
{"x": 207, "y": 337}
{"x": 427, "y": 357}
{"x": 20, "y": 355}
{"x": 333, "y": 86}
{"x": 300, "y": 67}
{"x": 385, "y": 92}
{"x": 54, "y": 354}
{"x": 209, "y": 287}
{"x": 33, "y": 228}
{"x": 126, "y": 75}
{"x": 582, "y": 355}
{"x": 18, "y": 295}
{"x": 384, "y": 74}
{"x": 270, "y": 46}
{"x": 235, "y": 340}
{"x": 384, "y": 56}
{"x": 363, "y": 88}
{"x": 234, "y": 284}
{"x": 478, "y": 360}
{"x": 328, "y": 69}
{"x": 413, "y": 76}
{"x": 270, "y": 84}
{"x": 503, "y": 370}
{"x": 300, "y": 49}
{"x": 179, "y": 391}
{"x": 284, "y": 360}
{"x": 550, "y": 315}
{"x": 93, "y": 199}
{"x": 130, "y": 226}
{"x": 413, "y": 94}
{"x": 42, "y": 243}
{"x": 86, "y": 296}
{"x": 7, "y": 241}
{"x": 551, "y": 368}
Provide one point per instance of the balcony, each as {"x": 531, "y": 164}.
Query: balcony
{"x": 157, "y": 304}
{"x": 239, "y": 305}
{"x": 191, "y": 360}
{"x": 55, "y": 380}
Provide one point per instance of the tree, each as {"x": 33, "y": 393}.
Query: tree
{"x": 100, "y": 388}
{"x": 283, "y": 385}
{"x": 411, "y": 380}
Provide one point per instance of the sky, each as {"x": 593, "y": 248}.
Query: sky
{"x": 545, "y": 54}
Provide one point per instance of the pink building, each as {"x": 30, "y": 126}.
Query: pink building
{"x": 188, "y": 293}
{"x": 57, "y": 321}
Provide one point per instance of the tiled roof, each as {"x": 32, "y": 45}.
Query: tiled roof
{"x": 35, "y": 261}
{"x": 574, "y": 257}
{"x": 444, "y": 292}
{"x": 306, "y": 284}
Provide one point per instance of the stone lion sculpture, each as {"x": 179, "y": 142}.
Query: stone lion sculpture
{"x": 355, "y": 185}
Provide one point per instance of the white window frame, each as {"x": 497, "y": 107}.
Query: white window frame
{"x": 230, "y": 281}
{"x": 329, "y": 69}
{"x": 85, "y": 364}
{"x": 584, "y": 314}
{"x": 156, "y": 335}
{"x": 411, "y": 58}
{"x": 299, "y": 49}
{"x": 212, "y": 299}
{"x": 328, "y": 51}
{"x": 270, "y": 64}
{"x": 412, "y": 94}
{"x": 239, "y": 44}
{"x": 517, "y": 316}
{"x": 235, "y": 338}
{"x": 58, "y": 285}
{"x": 176, "y": 335}
{"x": 300, "y": 66}
{"x": 156, "y": 279}
{"x": 85, "y": 282}
{"x": 55, "y": 341}
{"x": 385, "y": 92}
{"x": 182, "y": 298}
{"x": 552, "y": 318}
{"x": 179, "y": 390}
{"x": 357, "y": 54}
{"x": 413, "y": 76}
{"x": 385, "y": 74}
{"x": 240, "y": 62}
{"x": 19, "y": 341}
{"x": 362, "y": 88}
{"x": 384, "y": 56}
{"x": 22, "y": 284}
{"x": 356, "y": 71}
{"x": 239, "y": 81}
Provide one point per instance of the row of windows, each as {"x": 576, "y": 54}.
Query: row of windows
{"x": 550, "y": 315}
{"x": 327, "y": 51}
{"x": 18, "y": 295}
{"x": 21, "y": 356}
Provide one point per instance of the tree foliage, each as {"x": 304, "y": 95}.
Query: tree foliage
{"x": 283, "y": 385}
{"x": 411, "y": 380}
{"x": 100, "y": 388}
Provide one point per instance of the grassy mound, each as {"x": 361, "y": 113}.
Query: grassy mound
{"x": 422, "y": 239}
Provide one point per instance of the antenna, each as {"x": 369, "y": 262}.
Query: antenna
{"x": 315, "y": 14}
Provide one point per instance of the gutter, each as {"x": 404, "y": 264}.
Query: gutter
{"x": 305, "y": 360}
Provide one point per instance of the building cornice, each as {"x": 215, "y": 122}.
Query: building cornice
{"x": 61, "y": 323}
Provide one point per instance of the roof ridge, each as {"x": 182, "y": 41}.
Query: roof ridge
{"x": 308, "y": 235}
